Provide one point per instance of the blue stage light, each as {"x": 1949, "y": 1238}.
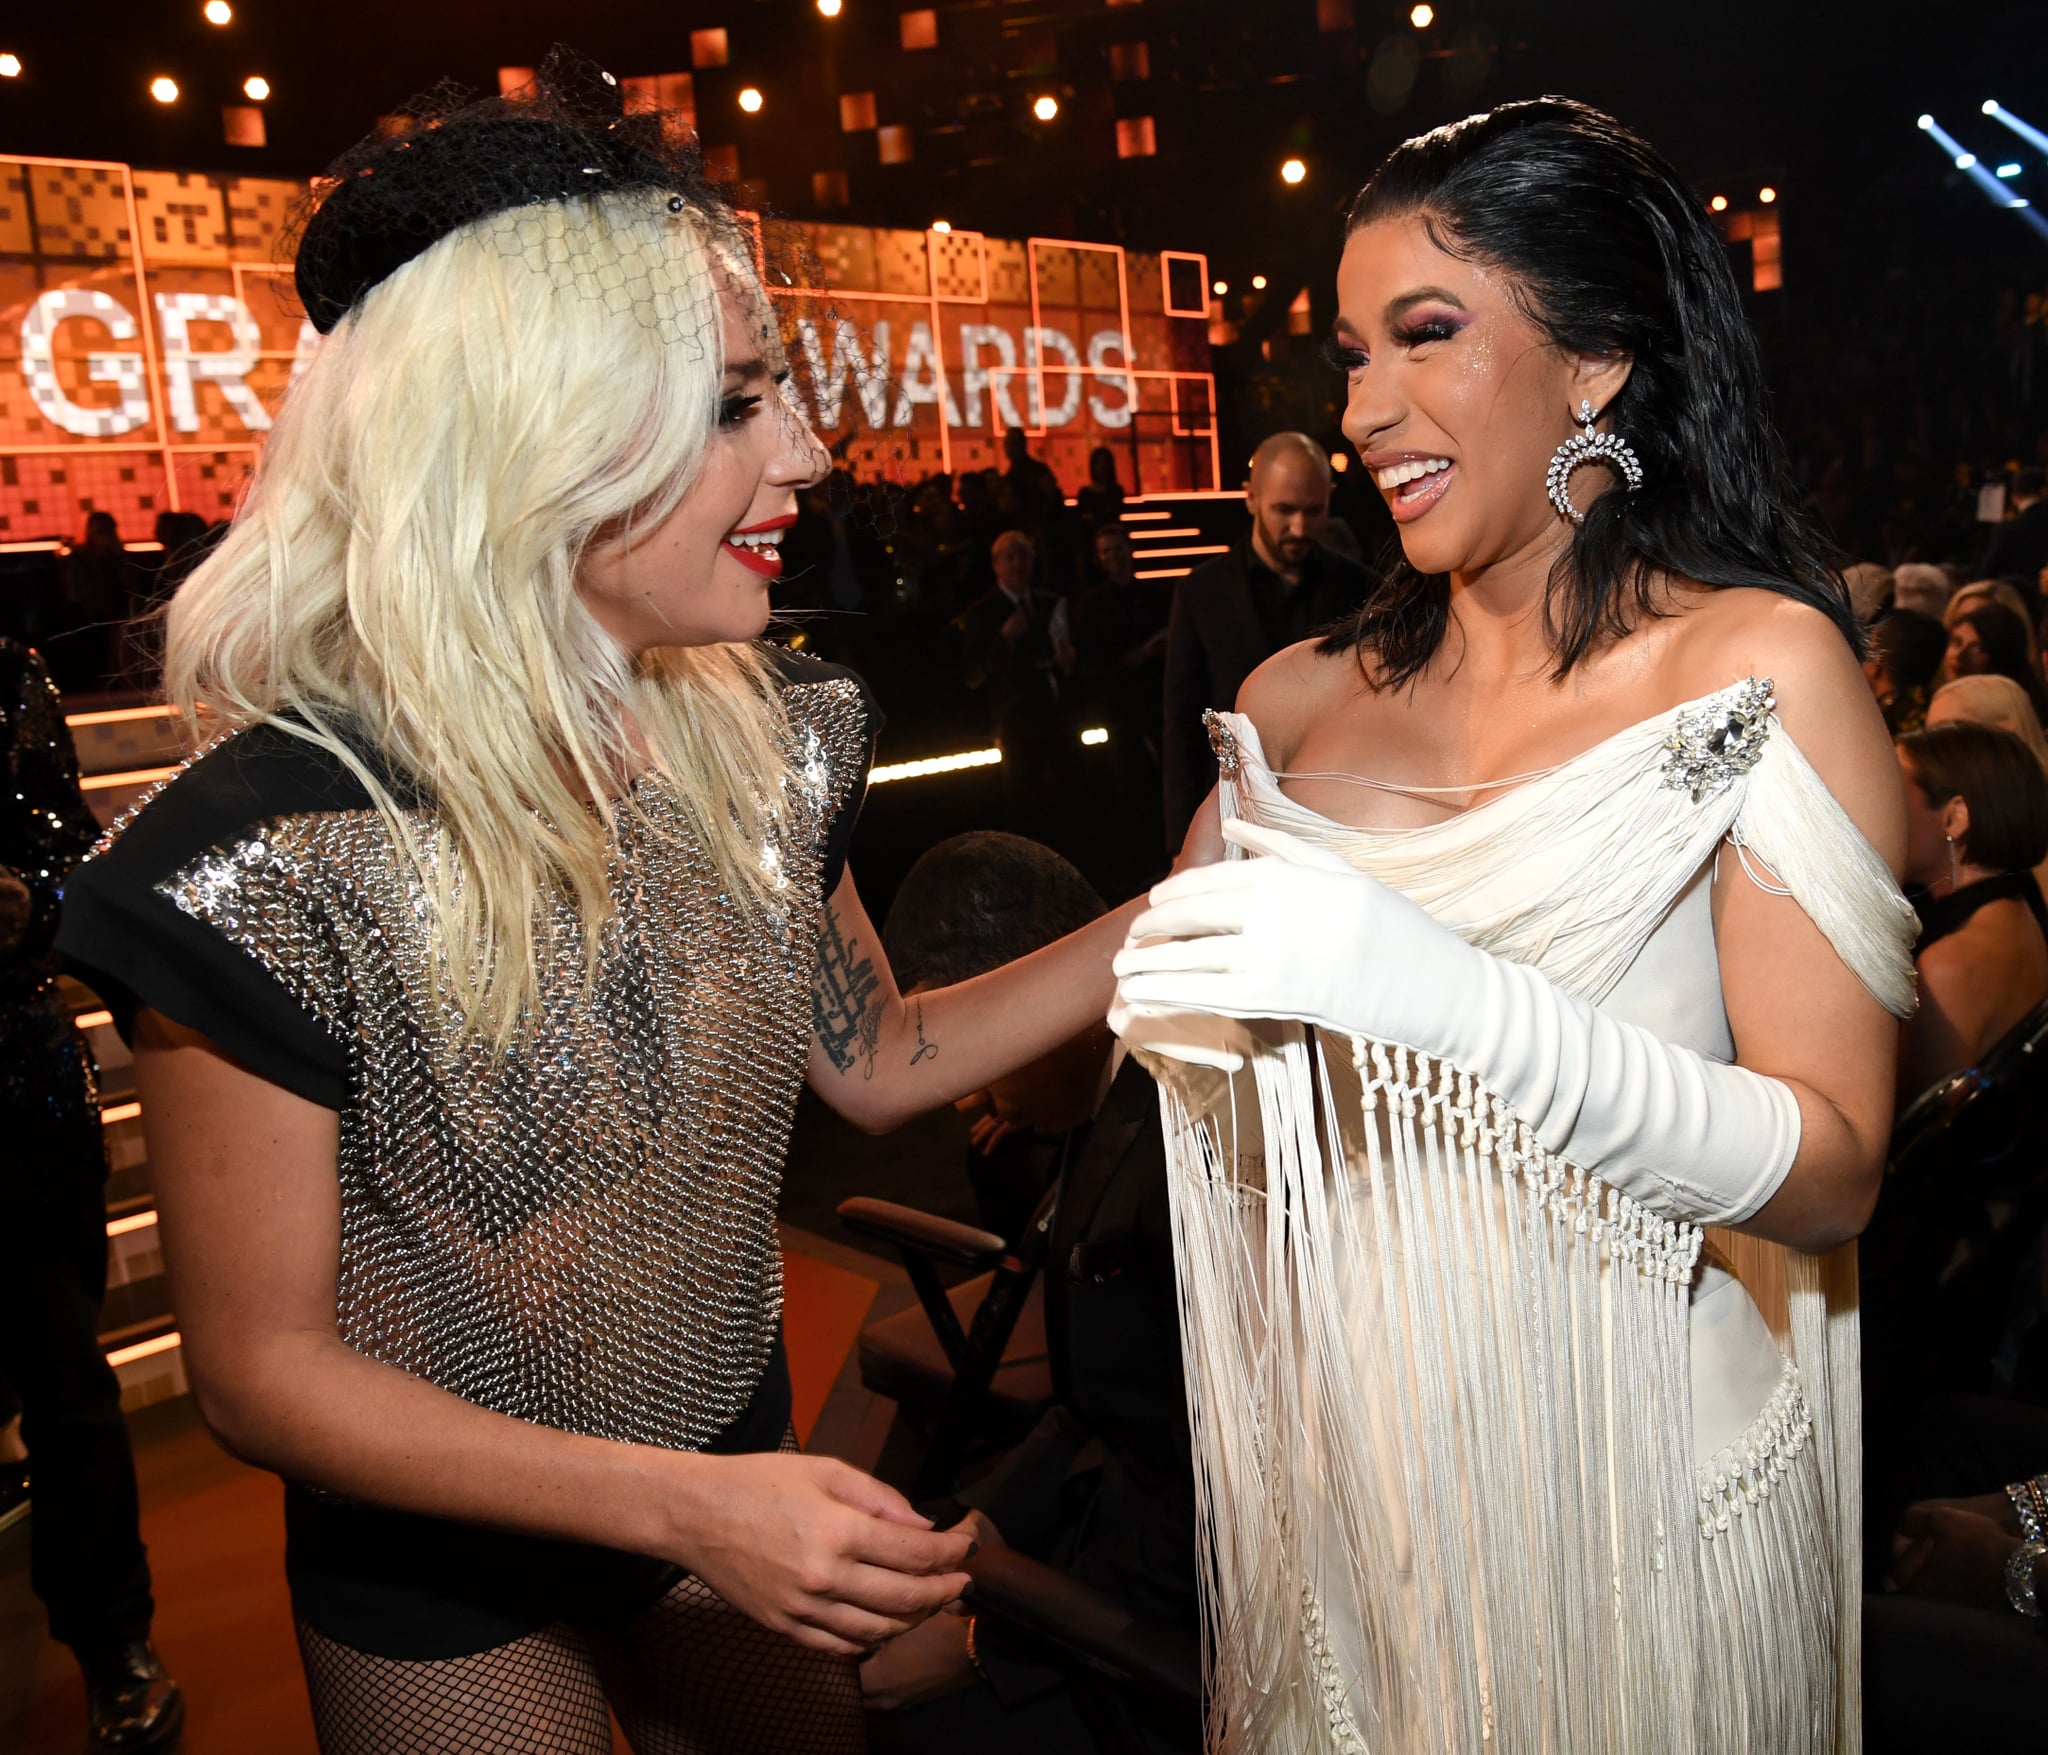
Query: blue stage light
{"x": 1966, "y": 161}
{"x": 2006, "y": 171}
{"x": 2025, "y": 130}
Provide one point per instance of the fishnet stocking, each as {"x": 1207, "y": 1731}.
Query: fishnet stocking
{"x": 689, "y": 1675}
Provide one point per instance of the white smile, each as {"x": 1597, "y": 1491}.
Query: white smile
{"x": 1397, "y": 474}
{"x": 761, "y": 542}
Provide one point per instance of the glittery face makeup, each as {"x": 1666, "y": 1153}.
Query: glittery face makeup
{"x": 1454, "y": 399}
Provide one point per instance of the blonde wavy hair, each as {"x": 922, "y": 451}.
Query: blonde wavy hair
{"x": 403, "y": 572}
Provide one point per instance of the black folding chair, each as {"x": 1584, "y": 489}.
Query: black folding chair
{"x": 968, "y": 1364}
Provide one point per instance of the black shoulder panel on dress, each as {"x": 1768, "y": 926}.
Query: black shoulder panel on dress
{"x": 131, "y": 943}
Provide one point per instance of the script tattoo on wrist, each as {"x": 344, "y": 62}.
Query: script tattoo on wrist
{"x": 844, "y": 1016}
{"x": 925, "y": 1050}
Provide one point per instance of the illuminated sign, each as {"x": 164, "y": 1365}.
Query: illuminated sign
{"x": 148, "y": 334}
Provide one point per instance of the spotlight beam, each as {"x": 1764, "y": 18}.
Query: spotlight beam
{"x": 2025, "y": 130}
{"x": 1966, "y": 161}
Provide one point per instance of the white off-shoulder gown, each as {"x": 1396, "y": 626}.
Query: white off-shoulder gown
{"x": 1489, "y": 1454}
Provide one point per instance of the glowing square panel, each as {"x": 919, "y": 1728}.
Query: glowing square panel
{"x": 183, "y": 217}
{"x": 708, "y": 48}
{"x": 920, "y": 29}
{"x": 895, "y": 145}
{"x": 80, "y": 210}
{"x": 828, "y": 189}
{"x": 1136, "y": 137}
{"x": 856, "y": 111}
{"x": 1184, "y": 279}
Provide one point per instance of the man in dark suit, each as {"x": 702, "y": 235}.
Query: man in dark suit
{"x": 1276, "y": 587}
{"x": 1016, "y": 652}
{"x": 1103, "y": 1489}
{"x": 2019, "y": 549}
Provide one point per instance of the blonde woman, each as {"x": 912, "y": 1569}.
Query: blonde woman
{"x": 474, "y": 976}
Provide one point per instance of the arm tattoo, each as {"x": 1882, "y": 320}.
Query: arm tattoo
{"x": 925, "y": 1050}
{"x": 844, "y": 1017}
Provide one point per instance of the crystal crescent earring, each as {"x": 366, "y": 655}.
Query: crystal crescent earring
{"x": 1589, "y": 447}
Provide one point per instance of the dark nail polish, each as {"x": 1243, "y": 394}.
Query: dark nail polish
{"x": 973, "y": 1548}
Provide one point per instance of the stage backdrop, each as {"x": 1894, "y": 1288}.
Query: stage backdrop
{"x": 148, "y": 334}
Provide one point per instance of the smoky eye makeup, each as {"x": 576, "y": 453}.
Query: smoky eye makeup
{"x": 1417, "y": 328}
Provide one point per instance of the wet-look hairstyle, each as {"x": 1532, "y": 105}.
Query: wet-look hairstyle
{"x": 1608, "y": 253}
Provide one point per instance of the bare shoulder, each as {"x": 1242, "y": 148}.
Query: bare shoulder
{"x": 1824, "y": 701}
{"x": 1293, "y": 690}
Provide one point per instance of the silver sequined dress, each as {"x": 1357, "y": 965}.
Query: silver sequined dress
{"x": 582, "y": 1236}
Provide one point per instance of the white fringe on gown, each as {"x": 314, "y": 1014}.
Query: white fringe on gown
{"x": 1441, "y": 1382}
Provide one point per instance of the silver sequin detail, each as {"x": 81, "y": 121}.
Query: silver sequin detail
{"x": 1223, "y": 740}
{"x": 1714, "y": 743}
{"x": 584, "y": 1236}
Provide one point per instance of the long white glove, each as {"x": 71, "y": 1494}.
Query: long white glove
{"x": 1300, "y": 934}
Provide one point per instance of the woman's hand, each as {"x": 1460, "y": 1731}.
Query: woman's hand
{"x": 814, "y": 1549}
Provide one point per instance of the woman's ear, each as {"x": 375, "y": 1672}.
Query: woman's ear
{"x": 1955, "y": 822}
{"x": 1598, "y": 378}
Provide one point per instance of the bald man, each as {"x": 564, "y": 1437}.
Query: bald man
{"x": 1276, "y": 587}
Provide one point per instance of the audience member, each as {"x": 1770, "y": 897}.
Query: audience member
{"x": 1276, "y": 587}
{"x": 102, "y": 587}
{"x": 2019, "y": 547}
{"x": 86, "y": 1559}
{"x": 1870, "y": 588}
{"x": 1906, "y": 650}
{"x": 1102, "y": 500}
{"x": 1016, "y": 652}
{"x": 1990, "y": 700}
{"x": 1037, "y": 506}
{"x": 1103, "y": 1489}
{"x": 1977, "y": 825}
{"x": 1921, "y": 588}
{"x": 1987, "y": 638}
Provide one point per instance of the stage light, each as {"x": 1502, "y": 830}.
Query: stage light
{"x": 218, "y": 12}
{"x": 2025, "y": 130}
{"x": 10, "y": 66}
{"x": 255, "y": 88}
{"x": 1258, "y": 283}
{"x": 942, "y": 225}
{"x": 1966, "y": 162}
{"x": 830, "y": 8}
{"x": 1767, "y": 195}
{"x": 1422, "y": 17}
{"x": 750, "y": 100}
{"x": 1340, "y": 461}
{"x": 1293, "y": 171}
{"x": 2007, "y": 171}
{"x": 1046, "y": 108}
{"x": 1719, "y": 204}
{"x": 1220, "y": 288}
{"x": 164, "y": 89}
{"x": 1094, "y": 735}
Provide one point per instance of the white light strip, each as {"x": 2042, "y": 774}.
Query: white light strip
{"x": 1133, "y": 517}
{"x": 933, "y": 765}
{"x": 92, "y": 1020}
{"x": 133, "y": 777}
{"x": 1162, "y": 535}
{"x": 133, "y": 1222}
{"x": 119, "y": 1112}
{"x": 1173, "y": 554}
{"x": 145, "y": 1349}
{"x": 116, "y": 716}
{"x": 1095, "y": 734}
{"x": 1162, "y": 572}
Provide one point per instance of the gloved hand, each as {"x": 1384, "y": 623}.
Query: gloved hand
{"x": 1299, "y": 934}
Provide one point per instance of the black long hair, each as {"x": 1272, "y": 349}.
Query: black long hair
{"x": 1609, "y": 254}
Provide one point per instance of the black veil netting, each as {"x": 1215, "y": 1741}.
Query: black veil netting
{"x": 450, "y": 159}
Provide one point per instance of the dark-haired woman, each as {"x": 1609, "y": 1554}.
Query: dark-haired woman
{"x": 1579, "y": 851}
{"x": 1976, "y": 826}
{"x": 1906, "y": 650}
{"x": 1986, "y": 638}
